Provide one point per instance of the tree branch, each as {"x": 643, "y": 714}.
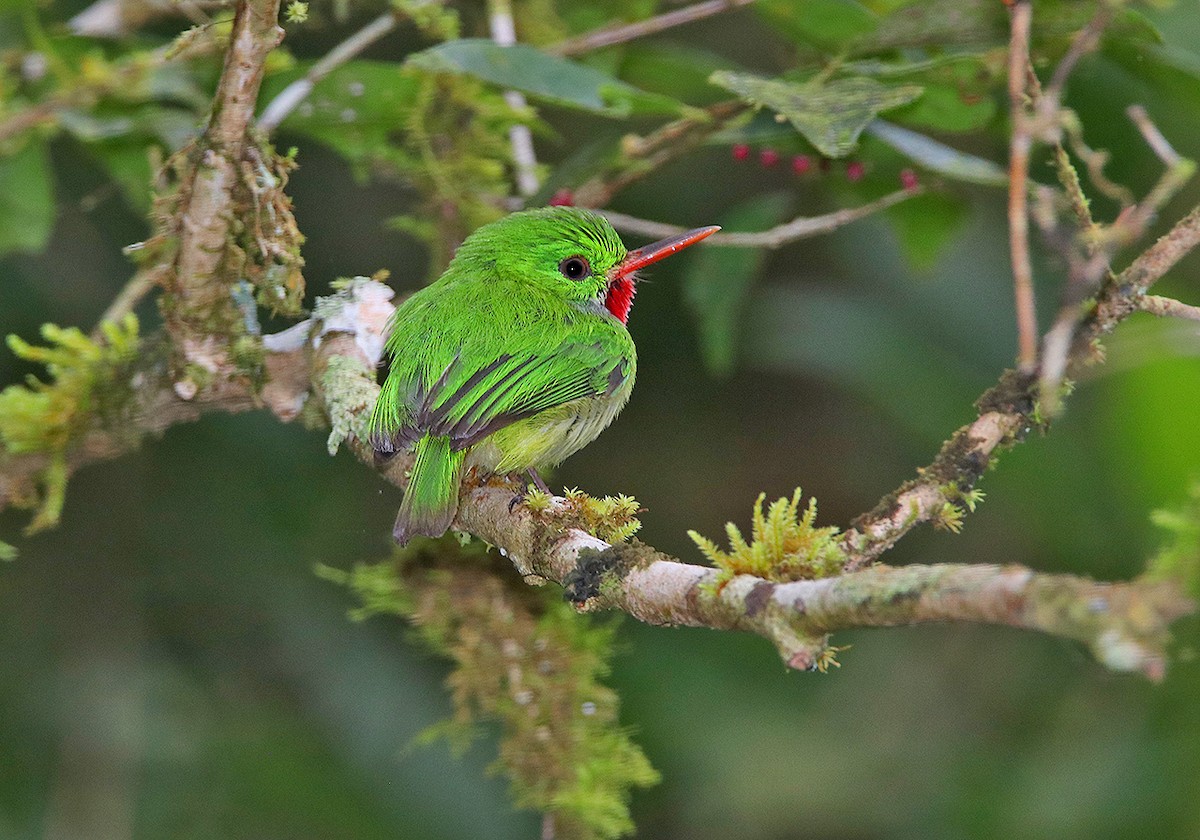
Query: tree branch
{"x": 1018, "y": 186}
{"x": 1165, "y": 307}
{"x": 608, "y": 36}
{"x": 1124, "y": 624}
{"x": 199, "y": 302}
{"x": 778, "y": 236}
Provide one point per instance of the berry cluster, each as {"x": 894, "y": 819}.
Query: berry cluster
{"x": 803, "y": 164}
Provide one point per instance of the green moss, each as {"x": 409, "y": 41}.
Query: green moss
{"x": 83, "y": 390}
{"x": 610, "y": 518}
{"x": 1179, "y": 557}
{"x": 784, "y": 544}
{"x": 527, "y": 661}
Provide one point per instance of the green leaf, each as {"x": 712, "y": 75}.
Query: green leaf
{"x": 947, "y": 108}
{"x": 830, "y": 115}
{"x": 673, "y": 70}
{"x": 942, "y": 23}
{"x": 8, "y": 553}
{"x": 719, "y": 280}
{"x": 358, "y": 111}
{"x": 128, "y": 164}
{"x": 546, "y": 77}
{"x": 925, "y": 225}
{"x": 357, "y": 95}
{"x": 939, "y": 157}
{"x": 827, "y": 23}
{"x": 26, "y": 200}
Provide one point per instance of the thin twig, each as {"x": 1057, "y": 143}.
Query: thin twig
{"x": 800, "y": 228}
{"x": 1165, "y": 307}
{"x": 1018, "y": 168}
{"x": 1085, "y": 41}
{"x": 291, "y": 96}
{"x": 1153, "y": 137}
{"x": 607, "y": 36}
{"x": 504, "y": 32}
{"x": 640, "y": 156}
{"x": 140, "y": 285}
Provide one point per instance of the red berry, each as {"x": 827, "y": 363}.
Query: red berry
{"x": 768, "y": 157}
{"x": 801, "y": 164}
{"x": 563, "y": 198}
{"x": 908, "y": 179}
{"x": 855, "y": 170}
{"x": 741, "y": 151}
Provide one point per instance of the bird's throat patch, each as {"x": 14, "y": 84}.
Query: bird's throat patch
{"x": 620, "y": 298}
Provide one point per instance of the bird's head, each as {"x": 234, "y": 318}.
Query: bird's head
{"x": 570, "y": 252}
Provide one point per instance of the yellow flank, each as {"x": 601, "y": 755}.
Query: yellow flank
{"x": 550, "y": 436}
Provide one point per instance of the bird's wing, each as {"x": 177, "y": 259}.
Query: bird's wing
{"x": 467, "y": 404}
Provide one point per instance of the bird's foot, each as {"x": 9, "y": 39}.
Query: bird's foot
{"x": 538, "y": 485}
{"x": 537, "y": 481}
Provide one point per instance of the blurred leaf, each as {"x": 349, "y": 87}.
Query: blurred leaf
{"x": 942, "y": 22}
{"x": 1170, "y": 70}
{"x": 925, "y": 225}
{"x": 26, "y": 200}
{"x": 357, "y": 111}
{"x": 960, "y": 89}
{"x": 674, "y": 70}
{"x": 828, "y": 23}
{"x": 939, "y": 157}
{"x": 548, "y": 77}
{"x": 8, "y": 553}
{"x": 1179, "y": 559}
{"x": 945, "y": 108}
{"x": 128, "y": 164}
{"x": 830, "y": 115}
{"x": 719, "y": 280}
{"x": 359, "y": 94}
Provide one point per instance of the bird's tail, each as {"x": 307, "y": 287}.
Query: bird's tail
{"x": 431, "y": 500}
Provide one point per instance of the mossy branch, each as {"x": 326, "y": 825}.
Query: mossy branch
{"x": 334, "y": 358}
{"x": 1124, "y": 624}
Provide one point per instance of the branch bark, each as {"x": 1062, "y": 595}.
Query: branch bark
{"x": 198, "y": 303}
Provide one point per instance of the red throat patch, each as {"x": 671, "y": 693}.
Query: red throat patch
{"x": 620, "y": 298}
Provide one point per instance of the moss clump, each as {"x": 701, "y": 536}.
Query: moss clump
{"x": 610, "y": 518}
{"x": 49, "y": 418}
{"x": 1179, "y": 559}
{"x": 784, "y": 545}
{"x": 526, "y": 660}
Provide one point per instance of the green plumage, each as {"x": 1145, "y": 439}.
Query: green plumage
{"x": 506, "y": 362}
{"x": 513, "y": 359}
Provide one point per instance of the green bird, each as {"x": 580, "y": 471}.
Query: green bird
{"x": 516, "y": 357}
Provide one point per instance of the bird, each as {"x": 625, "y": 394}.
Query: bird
{"x": 512, "y": 360}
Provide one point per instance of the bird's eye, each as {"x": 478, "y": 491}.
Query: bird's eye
{"x": 574, "y": 268}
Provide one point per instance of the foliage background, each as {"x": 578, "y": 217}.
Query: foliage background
{"x": 172, "y": 668}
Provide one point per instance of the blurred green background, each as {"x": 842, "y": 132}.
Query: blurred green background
{"x": 172, "y": 668}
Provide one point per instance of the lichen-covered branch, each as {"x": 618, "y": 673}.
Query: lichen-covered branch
{"x": 199, "y": 309}
{"x": 1007, "y": 412}
{"x": 333, "y": 357}
{"x": 1124, "y": 624}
